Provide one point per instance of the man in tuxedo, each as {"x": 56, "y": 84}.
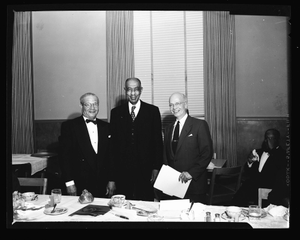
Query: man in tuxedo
{"x": 137, "y": 144}
{"x": 265, "y": 168}
{"x": 84, "y": 151}
{"x": 188, "y": 148}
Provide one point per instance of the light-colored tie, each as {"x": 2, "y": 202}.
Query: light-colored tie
{"x": 132, "y": 113}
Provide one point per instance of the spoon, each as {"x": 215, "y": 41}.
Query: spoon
{"x": 53, "y": 210}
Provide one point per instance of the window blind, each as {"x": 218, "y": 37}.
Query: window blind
{"x": 168, "y": 48}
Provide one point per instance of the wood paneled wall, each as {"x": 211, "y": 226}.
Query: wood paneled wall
{"x": 250, "y": 134}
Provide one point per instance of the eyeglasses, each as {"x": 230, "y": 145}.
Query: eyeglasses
{"x": 137, "y": 89}
{"x": 89, "y": 105}
{"x": 175, "y": 104}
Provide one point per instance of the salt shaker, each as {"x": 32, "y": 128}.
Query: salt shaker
{"x": 217, "y": 217}
{"x": 208, "y": 217}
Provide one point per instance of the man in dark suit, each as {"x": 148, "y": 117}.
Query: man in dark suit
{"x": 137, "y": 144}
{"x": 265, "y": 168}
{"x": 188, "y": 148}
{"x": 84, "y": 151}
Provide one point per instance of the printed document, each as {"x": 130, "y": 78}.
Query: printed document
{"x": 167, "y": 182}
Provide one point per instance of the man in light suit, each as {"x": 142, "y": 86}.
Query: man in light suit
{"x": 85, "y": 151}
{"x": 137, "y": 144}
{"x": 188, "y": 151}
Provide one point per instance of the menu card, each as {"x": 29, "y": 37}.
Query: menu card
{"x": 167, "y": 181}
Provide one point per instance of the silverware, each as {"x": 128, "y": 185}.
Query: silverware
{"x": 191, "y": 206}
{"x": 53, "y": 210}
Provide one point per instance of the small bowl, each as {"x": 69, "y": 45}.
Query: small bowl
{"x": 233, "y": 211}
{"x": 28, "y": 196}
{"x": 118, "y": 200}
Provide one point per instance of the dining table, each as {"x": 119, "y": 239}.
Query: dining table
{"x": 133, "y": 215}
{"x": 37, "y": 162}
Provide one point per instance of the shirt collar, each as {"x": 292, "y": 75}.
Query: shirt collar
{"x": 182, "y": 120}
{"x": 85, "y": 118}
{"x": 137, "y": 106}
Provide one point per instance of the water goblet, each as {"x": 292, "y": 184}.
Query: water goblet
{"x": 56, "y": 193}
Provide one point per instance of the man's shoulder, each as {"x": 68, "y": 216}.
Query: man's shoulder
{"x": 72, "y": 121}
{"x": 196, "y": 121}
{"x": 148, "y": 105}
{"x": 102, "y": 122}
{"x": 120, "y": 107}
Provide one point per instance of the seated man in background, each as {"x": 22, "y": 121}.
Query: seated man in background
{"x": 265, "y": 168}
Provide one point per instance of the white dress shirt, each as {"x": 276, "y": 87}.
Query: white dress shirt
{"x": 263, "y": 159}
{"x": 93, "y": 133}
{"x": 137, "y": 107}
{"x": 181, "y": 121}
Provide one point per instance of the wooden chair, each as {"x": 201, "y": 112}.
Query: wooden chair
{"x": 35, "y": 182}
{"x": 263, "y": 193}
{"x": 224, "y": 184}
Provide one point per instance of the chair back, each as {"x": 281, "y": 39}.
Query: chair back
{"x": 225, "y": 173}
{"x": 263, "y": 193}
{"x": 35, "y": 182}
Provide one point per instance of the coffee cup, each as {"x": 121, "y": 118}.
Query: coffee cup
{"x": 118, "y": 200}
{"x": 28, "y": 196}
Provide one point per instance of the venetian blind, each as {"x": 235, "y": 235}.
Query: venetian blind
{"x": 168, "y": 48}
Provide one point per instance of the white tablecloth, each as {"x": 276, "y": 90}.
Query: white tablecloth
{"x": 37, "y": 163}
{"x": 72, "y": 204}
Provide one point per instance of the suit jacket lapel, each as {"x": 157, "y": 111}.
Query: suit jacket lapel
{"x": 168, "y": 139}
{"x": 84, "y": 140}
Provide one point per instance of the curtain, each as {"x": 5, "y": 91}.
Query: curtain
{"x": 120, "y": 55}
{"x": 22, "y": 85}
{"x": 219, "y": 74}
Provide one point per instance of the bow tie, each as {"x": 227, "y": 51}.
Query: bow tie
{"x": 93, "y": 121}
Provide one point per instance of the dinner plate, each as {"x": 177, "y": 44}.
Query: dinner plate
{"x": 144, "y": 207}
{"x": 226, "y": 217}
{"x": 57, "y": 211}
{"x": 31, "y": 206}
{"x": 245, "y": 212}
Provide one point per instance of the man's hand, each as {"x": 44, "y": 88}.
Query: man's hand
{"x": 154, "y": 175}
{"x": 71, "y": 190}
{"x": 184, "y": 177}
{"x": 110, "y": 189}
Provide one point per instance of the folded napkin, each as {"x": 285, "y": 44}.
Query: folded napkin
{"x": 276, "y": 211}
{"x": 92, "y": 210}
{"x": 211, "y": 166}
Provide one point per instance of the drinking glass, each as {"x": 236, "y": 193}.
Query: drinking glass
{"x": 254, "y": 212}
{"x": 56, "y": 193}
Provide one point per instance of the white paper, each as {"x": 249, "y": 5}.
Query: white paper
{"x": 167, "y": 182}
{"x": 177, "y": 204}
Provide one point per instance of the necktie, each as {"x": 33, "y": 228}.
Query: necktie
{"x": 132, "y": 113}
{"x": 93, "y": 121}
{"x": 175, "y": 137}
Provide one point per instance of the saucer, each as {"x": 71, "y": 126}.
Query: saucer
{"x": 245, "y": 212}
{"x": 110, "y": 203}
{"x": 225, "y": 216}
{"x": 57, "y": 211}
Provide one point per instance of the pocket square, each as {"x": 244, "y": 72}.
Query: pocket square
{"x": 190, "y": 135}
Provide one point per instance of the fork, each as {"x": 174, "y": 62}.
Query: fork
{"x": 53, "y": 210}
